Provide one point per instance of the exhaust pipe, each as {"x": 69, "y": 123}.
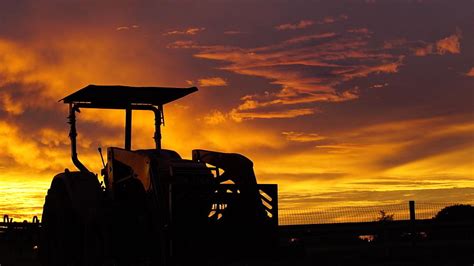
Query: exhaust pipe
{"x": 72, "y": 136}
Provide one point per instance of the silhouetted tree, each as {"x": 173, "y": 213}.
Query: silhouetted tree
{"x": 453, "y": 222}
{"x": 383, "y": 234}
{"x": 458, "y": 212}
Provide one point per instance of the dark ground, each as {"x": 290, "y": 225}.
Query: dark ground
{"x": 301, "y": 246}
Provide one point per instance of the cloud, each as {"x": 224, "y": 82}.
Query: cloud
{"x": 288, "y": 97}
{"x": 215, "y": 117}
{"x": 188, "y": 31}
{"x": 22, "y": 78}
{"x": 183, "y": 45}
{"x": 391, "y": 67}
{"x": 302, "y": 137}
{"x": 425, "y": 181}
{"x": 421, "y": 140}
{"x": 315, "y": 68}
{"x": 304, "y": 38}
{"x": 394, "y": 43}
{"x": 470, "y": 73}
{"x": 212, "y": 82}
{"x": 35, "y": 75}
{"x": 300, "y": 25}
{"x": 233, "y": 32}
{"x": 339, "y": 148}
{"x": 275, "y": 75}
{"x": 329, "y": 19}
{"x": 10, "y": 105}
{"x": 23, "y": 151}
{"x": 414, "y": 149}
{"x": 428, "y": 49}
{"x": 444, "y": 141}
{"x": 378, "y": 86}
{"x": 433, "y": 153}
{"x": 239, "y": 116}
{"x": 450, "y": 44}
{"x": 123, "y": 28}
{"x": 359, "y": 30}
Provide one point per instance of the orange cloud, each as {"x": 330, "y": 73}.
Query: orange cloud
{"x": 470, "y": 73}
{"x": 20, "y": 151}
{"x": 35, "y": 76}
{"x": 450, "y": 44}
{"x": 239, "y": 116}
{"x": 303, "y": 38}
{"x": 215, "y": 118}
{"x": 121, "y": 28}
{"x": 424, "y": 51}
{"x": 302, "y": 137}
{"x": 182, "y": 45}
{"x": 307, "y": 23}
{"x": 309, "y": 68}
{"x": 395, "y": 43}
{"x": 14, "y": 107}
{"x": 212, "y": 82}
{"x": 414, "y": 150}
{"x": 365, "y": 71}
{"x": 377, "y": 86}
{"x": 300, "y": 25}
{"x": 347, "y": 164}
{"x": 189, "y": 31}
{"x": 329, "y": 20}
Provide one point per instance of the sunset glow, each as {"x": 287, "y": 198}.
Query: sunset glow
{"x": 334, "y": 102}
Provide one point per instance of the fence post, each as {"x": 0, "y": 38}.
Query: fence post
{"x": 411, "y": 205}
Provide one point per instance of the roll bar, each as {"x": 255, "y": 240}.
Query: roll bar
{"x": 121, "y": 98}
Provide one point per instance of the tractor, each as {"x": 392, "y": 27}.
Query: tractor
{"x": 154, "y": 207}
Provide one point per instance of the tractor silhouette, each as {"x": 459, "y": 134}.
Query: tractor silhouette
{"x": 154, "y": 208}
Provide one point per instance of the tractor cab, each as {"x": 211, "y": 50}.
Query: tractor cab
{"x": 156, "y": 207}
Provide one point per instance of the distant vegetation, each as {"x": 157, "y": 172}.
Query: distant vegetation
{"x": 458, "y": 212}
{"x": 384, "y": 217}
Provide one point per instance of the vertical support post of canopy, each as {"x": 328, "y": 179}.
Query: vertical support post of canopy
{"x": 158, "y": 121}
{"x": 128, "y": 128}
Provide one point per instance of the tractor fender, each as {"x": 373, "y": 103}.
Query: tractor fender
{"x": 84, "y": 192}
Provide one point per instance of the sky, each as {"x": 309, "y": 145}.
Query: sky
{"x": 340, "y": 103}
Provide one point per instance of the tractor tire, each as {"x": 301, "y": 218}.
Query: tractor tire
{"x": 60, "y": 228}
{"x": 68, "y": 237}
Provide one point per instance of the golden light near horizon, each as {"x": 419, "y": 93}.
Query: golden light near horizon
{"x": 324, "y": 102}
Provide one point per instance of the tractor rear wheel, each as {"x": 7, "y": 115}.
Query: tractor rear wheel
{"x": 60, "y": 228}
{"x": 67, "y": 236}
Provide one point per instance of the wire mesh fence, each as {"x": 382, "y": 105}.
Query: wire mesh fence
{"x": 355, "y": 214}
{"x": 343, "y": 214}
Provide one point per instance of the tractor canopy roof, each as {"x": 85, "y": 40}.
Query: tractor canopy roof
{"x": 123, "y": 96}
